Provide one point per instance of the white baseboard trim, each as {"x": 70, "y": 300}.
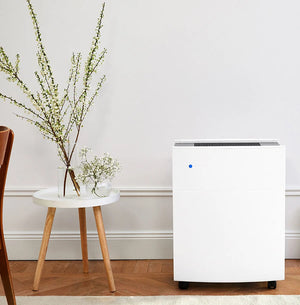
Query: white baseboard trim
{"x": 122, "y": 245}
{"x": 292, "y": 245}
{"x": 66, "y": 245}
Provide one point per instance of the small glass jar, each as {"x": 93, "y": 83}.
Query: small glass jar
{"x": 102, "y": 189}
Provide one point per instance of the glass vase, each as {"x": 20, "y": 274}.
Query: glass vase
{"x": 67, "y": 184}
{"x": 66, "y": 175}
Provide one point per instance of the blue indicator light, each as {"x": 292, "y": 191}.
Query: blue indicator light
{"x": 190, "y": 165}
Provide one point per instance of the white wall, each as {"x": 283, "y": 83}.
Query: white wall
{"x": 175, "y": 69}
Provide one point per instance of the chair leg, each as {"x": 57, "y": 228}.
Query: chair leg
{"x": 6, "y": 277}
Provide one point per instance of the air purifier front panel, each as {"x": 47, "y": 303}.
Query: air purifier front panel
{"x": 228, "y": 211}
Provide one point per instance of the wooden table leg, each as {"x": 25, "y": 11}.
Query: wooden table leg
{"x": 84, "y": 249}
{"x": 44, "y": 246}
{"x": 104, "y": 248}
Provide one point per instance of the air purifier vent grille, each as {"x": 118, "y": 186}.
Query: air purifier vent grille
{"x": 216, "y": 144}
{"x": 229, "y": 144}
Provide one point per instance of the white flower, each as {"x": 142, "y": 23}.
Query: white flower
{"x": 97, "y": 169}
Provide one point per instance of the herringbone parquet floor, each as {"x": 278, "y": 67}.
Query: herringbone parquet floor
{"x": 132, "y": 277}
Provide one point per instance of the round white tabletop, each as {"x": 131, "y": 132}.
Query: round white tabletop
{"x": 49, "y": 198}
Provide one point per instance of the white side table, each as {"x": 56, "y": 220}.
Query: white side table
{"x": 50, "y": 199}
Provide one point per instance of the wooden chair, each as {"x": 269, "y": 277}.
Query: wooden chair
{"x": 6, "y": 142}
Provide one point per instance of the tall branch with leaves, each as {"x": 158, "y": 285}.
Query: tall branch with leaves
{"x": 58, "y": 117}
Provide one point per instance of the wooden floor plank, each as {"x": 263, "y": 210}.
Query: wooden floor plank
{"x": 167, "y": 268}
{"x": 154, "y": 267}
{"x": 133, "y": 277}
{"x": 117, "y": 266}
{"x": 141, "y": 266}
{"x": 129, "y": 266}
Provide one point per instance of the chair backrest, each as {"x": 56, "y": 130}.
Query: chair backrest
{"x": 6, "y": 142}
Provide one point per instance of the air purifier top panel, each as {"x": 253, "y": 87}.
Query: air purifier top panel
{"x": 229, "y": 142}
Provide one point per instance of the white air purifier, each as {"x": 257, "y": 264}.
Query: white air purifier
{"x": 228, "y": 211}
